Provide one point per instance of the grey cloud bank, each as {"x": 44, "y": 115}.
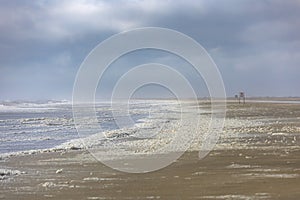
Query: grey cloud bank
{"x": 255, "y": 44}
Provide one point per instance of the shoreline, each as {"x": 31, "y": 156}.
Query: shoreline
{"x": 230, "y": 103}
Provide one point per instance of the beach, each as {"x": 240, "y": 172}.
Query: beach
{"x": 256, "y": 157}
{"x": 150, "y": 100}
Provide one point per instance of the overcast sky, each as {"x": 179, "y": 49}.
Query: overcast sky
{"x": 255, "y": 43}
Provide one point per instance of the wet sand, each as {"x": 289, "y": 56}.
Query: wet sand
{"x": 258, "y": 162}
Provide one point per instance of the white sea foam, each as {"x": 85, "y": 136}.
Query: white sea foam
{"x": 239, "y": 166}
{"x": 148, "y": 135}
{"x": 267, "y": 175}
{"x": 240, "y": 197}
{"x": 6, "y": 173}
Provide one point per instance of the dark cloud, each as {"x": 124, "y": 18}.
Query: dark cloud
{"x": 256, "y": 44}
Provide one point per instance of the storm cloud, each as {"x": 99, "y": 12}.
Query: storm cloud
{"x": 255, "y": 44}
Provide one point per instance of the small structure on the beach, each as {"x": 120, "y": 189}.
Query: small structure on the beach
{"x": 242, "y": 97}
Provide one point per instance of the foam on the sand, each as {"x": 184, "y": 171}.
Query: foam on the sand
{"x": 240, "y": 197}
{"x": 6, "y": 173}
{"x": 269, "y": 175}
{"x": 140, "y": 139}
{"x": 152, "y": 134}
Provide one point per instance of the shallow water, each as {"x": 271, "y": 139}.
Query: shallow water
{"x": 44, "y": 125}
{"x": 32, "y": 126}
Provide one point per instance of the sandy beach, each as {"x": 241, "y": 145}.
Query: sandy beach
{"x": 256, "y": 161}
{"x": 150, "y": 100}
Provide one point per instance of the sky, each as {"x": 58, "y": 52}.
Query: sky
{"x": 254, "y": 43}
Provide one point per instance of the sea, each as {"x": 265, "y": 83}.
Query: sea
{"x": 29, "y": 126}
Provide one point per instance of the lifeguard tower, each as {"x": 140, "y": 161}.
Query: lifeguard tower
{"x": 242, "y": 98}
